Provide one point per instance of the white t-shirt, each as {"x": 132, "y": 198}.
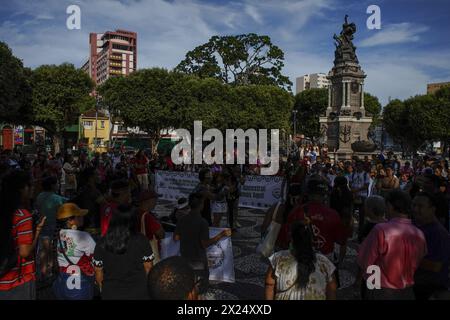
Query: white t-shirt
{"x": 285, "y": 269}
{"x": 69, "y": 183}
{"x": 357, "y": 180}
{"x": 76, "y": 244}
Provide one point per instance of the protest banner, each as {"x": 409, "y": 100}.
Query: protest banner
{"x": 258, "y": 192}
{"x": 220, "y": 255}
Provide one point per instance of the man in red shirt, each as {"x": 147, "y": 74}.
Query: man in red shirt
{"x": 397, "y": 248}
{"x": 120, "y": 194}
{"x": 148, "y": 224}
{"x": 325, "y": 222}
{"x": 151, "y": 226}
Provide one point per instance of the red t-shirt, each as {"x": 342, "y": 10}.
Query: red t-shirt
{"x": 151, "y": 224}
{"x": 326, "y": 224}
{"x": 142, "y": 162}
{"x": 169, "y": 163}
{"x": 22, "y": 231}
{"x": 106, "y": 214}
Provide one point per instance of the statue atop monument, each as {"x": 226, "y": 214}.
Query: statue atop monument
{"x": 345, "y": 50}
{"x": 345, "y": 125}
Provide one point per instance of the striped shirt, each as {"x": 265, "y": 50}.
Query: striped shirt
{"x": 22, "y": 232}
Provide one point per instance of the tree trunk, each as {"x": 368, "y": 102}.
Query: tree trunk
{"x": 58, "y": 143}
{"x": 154, "y": 141}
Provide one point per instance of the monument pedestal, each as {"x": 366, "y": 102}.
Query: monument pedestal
{"x": 345, "y": 121}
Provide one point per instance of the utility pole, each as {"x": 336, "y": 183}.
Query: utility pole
{"x": 295, "y": 121}
{"x": 96, "y": 120}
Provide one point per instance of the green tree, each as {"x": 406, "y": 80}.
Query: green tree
{"x": 262, "y": 107}
{"x": 15, "y": 90}
{"x": 373, "y": 108}
{"x": 417, "y": 120}
{"x": 443, "y": 102}
{"x": 59, "y": 95}
{"x": 242, "y": 59}
{"x": 310, "y": 104}
{"x": 146, "y": 99}
{"x": 395, "y": 119}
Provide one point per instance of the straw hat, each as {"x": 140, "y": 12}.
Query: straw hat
{"x": 68, "y": 210}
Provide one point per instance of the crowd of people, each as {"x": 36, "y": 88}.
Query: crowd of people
{"x": 84, "y": 227}
{"x": 93, "y": 217}
{"x": 396, "y": 213}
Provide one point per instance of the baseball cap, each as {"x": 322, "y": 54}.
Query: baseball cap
{"x": 68, "y": 210}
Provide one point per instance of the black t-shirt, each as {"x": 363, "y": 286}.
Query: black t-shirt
{"x": 341, "y": 200}
{"x": 192, "y": 229}
{"x": 206, "y": 212}
{"x": 124, "y": 275}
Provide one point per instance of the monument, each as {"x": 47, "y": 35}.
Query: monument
{"x": 345, "y": 125}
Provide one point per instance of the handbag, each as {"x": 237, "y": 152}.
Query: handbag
{"x": 153, "y": 241}
{"x": 266, "y": 247}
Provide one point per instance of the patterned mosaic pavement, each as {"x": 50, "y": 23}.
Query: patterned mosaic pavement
{"x": 250, "y": 268}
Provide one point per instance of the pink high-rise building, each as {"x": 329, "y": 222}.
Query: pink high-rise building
{"x": 111, "y": 54}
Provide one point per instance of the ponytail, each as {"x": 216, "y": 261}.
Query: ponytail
{"x": 303, "y": 251}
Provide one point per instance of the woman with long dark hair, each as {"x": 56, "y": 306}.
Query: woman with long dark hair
{"x": 123, "y": 258}
{"x": 341, "y": 200}
{"x": 300, "y": 273}
{"x": 17, "y": 238}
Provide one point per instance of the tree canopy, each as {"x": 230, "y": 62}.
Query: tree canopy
{"x": 242, "y": 59}
{"x": 419, "y": 119}
{"x": 310, "y": 104}
{"x": 60, "y": 94}
{"x": 155, "y": 99}
{"x": 15, "y": 89}
{"x": 373, "y": 108}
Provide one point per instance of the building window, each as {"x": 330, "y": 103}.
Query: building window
{"x": 98, "y": 142}
{"x": 102, "y": 124}
{"x": 88, "y": 124}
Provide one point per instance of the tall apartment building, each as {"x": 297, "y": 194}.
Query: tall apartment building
{"x": 433, "y": 87}
{"x": 111, "y": 54}
{"x": 310, "y": 81}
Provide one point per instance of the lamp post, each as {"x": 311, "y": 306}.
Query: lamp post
{"x": 295, "y": 121}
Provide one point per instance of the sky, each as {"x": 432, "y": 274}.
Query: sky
{"x": 411, "y": 49}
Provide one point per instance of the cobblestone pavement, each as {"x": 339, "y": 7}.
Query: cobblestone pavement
{"x": 250, "y": 268}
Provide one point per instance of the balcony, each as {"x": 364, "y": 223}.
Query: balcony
{"x": 114, "y": 57}
{"x": 115, "y": 71}
{"x": 115, "y": 64}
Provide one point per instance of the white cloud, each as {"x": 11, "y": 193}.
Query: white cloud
{"x": 395, "y": 33}
{"x": 254, "y": 14}
{"x": 168, "y": 29}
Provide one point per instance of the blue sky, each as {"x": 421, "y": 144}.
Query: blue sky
{"x": 411, "y": 49}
